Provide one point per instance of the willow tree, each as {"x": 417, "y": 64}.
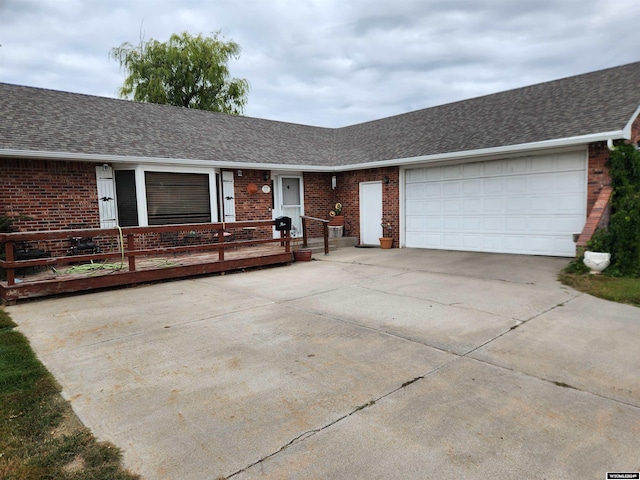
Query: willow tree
{"x": 185, "y": 71}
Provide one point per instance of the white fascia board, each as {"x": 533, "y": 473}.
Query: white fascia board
{"x": 473, "y": 155}
{"x": 627, "y": 128}
{"x": 83, "y": 157}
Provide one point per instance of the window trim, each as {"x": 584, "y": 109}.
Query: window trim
{"x": 141, "y": 187}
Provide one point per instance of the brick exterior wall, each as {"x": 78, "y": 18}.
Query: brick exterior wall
{"x": 348, "y": 193}
{"x": 54, "y": 194}
{"x": 597, "y": 172}
{"x": 252, "y": 206}
{"x": 319, "y": 199}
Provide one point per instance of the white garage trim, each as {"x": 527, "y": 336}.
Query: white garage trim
{"x": 527, "y": 205}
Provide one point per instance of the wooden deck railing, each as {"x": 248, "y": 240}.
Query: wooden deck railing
{"x": 325, "y": 231}
{"x": 128, "y": 244}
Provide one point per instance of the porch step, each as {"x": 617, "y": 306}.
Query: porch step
{"x": 317, "y": 244}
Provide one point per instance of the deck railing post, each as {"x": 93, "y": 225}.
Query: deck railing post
{"x": 304, "y": 232}
{"x": 325, "y": 232}
{"x": 131, "y": 246}
{"x": 286, "y": 234}
{"x": 221, "y": 242}
{"x": 11, "y": 273}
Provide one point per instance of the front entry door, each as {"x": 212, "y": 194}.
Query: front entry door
{"x": 288, "y": 202}
{"x": 370, "y": 213}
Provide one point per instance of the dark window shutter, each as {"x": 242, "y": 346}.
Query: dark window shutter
{"x": 126, "y": 196}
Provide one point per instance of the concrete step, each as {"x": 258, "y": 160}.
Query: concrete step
{"x": 317, "y": 244}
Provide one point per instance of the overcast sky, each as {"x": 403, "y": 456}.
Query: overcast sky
{"x": 329, "y": 62}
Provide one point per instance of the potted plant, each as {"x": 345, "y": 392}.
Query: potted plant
{"x": 386, "y": 241}
{"x": 336, "y": 217}
{"x": 299, "y": 254}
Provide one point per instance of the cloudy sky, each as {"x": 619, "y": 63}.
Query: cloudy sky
{"x": 329, "y": 62}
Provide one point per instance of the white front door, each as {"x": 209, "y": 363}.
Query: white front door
{"x": 106, "y": 197}
{"x": 288, "y": 199}
{"x": 370, "y": 213}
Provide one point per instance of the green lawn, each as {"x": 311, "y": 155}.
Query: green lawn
{"x": 616, "y": 289}
{"x": 40, "y": 437}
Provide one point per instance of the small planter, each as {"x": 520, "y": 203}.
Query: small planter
{"x": 337, "y": 221}
{"x": 386, "y": 242}
{"x": 596, "y": 261}
{"x": 302, "y": 255}
{"x": 335, "y": 231}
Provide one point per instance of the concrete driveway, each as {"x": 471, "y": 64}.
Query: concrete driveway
{"x": 366, "y": 364}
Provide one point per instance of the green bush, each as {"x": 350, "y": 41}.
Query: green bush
{"x": 622, "y": 238}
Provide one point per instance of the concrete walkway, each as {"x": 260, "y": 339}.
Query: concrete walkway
{"x": 366, "y": 364}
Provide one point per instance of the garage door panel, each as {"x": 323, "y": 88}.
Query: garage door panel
{"x": 415, "y": 175}
{"x": 419, "y": 190}
{"x": 493, "y": 168}
{"x": 451, "y": 206}
{"x": 569, "y": 182}
{"x": 417, "y": 207}
{"x": 452, "y": 172}
{"x": 516, "y": 166}
{"x": 528, "y": 205}
{"x": 472, "y": 170}
{"x": 516, "y": 205}
{"x": 451, "y": 189}
{"x": 472, "y": 187}
{"x": 492, "y": 186}
{"x": 568, "y": 204}
{"x": 493, "y": 205}
{"x": 515, "y": 184}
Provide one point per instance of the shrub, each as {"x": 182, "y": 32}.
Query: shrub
{"x": 622, "y": 239}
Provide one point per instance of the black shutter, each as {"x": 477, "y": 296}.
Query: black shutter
{"x": 126, "y": 195}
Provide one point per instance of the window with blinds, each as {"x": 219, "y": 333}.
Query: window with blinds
{"x": 177, "y": 198}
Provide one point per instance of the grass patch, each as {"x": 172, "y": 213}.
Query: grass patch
{"x": 40, "y": 436}
{"x": 615, "y": 289}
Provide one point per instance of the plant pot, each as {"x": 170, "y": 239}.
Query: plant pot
{"x": 302, "y": 255}
{"x": 335, "y": 231}
{"x": 597, "y": 261}
{"x": 337, "y": 221}
{"x": 386, "y": 242}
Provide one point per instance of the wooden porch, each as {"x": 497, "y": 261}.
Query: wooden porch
{"x": 61, "y": 261}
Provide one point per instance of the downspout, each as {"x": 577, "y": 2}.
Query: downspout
{"x": 610, "y": 145}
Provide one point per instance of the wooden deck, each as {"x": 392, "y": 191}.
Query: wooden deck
{"x": 213, "y": 253}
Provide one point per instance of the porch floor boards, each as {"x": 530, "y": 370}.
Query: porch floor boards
{"x": 68, "y": 279}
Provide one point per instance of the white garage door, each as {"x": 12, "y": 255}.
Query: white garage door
{"x": 530, "y": 205}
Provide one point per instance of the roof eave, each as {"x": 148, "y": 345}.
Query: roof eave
{"x": 491, "y": 152}
{"x": 628, "y": 127}
{"x": 393, "y": 162}
{"x": 183, "y": 162}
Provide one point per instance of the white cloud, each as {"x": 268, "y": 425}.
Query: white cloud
{"x": 329, "y": 62}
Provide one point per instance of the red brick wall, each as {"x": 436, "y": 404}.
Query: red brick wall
{"x": 319, "y": 199}
{"x": 53, "y": 193}
{"x": 635, "y": 132}
{"x": 348, "y": 193}
{"x": 597, "y": 172}
{"x": 252, "y": 206}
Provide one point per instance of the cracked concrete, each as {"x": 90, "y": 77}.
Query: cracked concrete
{"x": 367, "y": 364}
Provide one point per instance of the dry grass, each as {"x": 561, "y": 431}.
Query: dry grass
{"x": 40, "y": 436}
{"x": 615, "y": 289}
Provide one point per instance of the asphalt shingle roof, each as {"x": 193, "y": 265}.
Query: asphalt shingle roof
{"x": 51, "y": 121}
